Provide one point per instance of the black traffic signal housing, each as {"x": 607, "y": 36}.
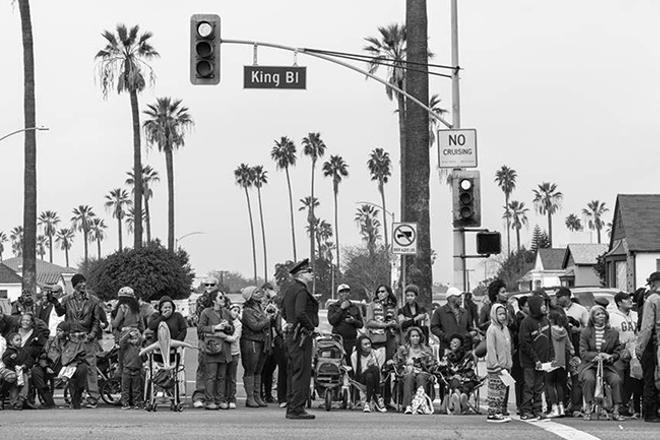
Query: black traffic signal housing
{"x": 205, "y": 49}
{"x": 466, "y": 198}
{"x": 489, "y": 243}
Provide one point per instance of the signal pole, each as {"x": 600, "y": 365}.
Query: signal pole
{"x": 460, "y": 267}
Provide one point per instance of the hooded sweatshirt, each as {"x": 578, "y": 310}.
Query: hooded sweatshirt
{"x": 535, "y": 335}
{"x": 498, "y": 344}
{"x": 561, "y": 345}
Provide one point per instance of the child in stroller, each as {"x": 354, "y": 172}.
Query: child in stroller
{"x": 458, "y": 377}
{"x": 329, "y": 366}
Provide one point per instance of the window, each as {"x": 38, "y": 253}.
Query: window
{"x": 3, "y": 294}
{"x": 657, "y": 264}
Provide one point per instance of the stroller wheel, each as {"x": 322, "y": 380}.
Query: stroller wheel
{"x": 179, "y": 407}
{"x": 328, "y": 399}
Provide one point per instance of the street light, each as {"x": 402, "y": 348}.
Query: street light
{"x": 176, "y": 241}
{"x": 40, "y": 128}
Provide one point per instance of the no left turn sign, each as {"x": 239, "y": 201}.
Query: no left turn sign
{"x": 404, "y": 238}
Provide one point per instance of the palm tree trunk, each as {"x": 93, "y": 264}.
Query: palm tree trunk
{"x": 550, "y": 228}
{"x": 401, "y": 101}
{"x": 293, "y": 229}
{"x": 98, "y": 247}
{"x": 263, "y": 234}
{"x": 254, "y": 249}
{"x": 382, "y": 199}
{"x": 66, "y": 255}
{"x": 85, "y": 240}
{"x": 508, "y": 225}
{"x": 119, "y": 231}
{"x": 50, "y": 248}
{"x": 137, "y": 172}
{"x": 311, "y": 232}
{"x": 169, "y": 162}
{"x": 518, "y": 239}
{"x": 417, "y": 169}
{"x": 598, "y": 234}
{"x": 332, "y": 286}
{"x": 147, "y": 215}
{"x": 29, "y": 274}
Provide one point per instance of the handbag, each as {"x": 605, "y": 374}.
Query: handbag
{"x": 377, "y": 336}
{"x": 213, "y": 345}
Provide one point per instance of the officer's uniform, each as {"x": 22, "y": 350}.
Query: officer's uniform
{"x": 300, "y": 311}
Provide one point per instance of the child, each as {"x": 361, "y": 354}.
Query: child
{"x": 498, "y": 360}
{"x": 14, "y": 359}
{"x": 535, "y": 350}
{"x": 557, "y": 378}
{"x": 131, "y": 374}
{"x": 232, "y": 366}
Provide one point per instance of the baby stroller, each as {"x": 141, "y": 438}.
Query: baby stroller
{"x": 330, "y": 374}
{"x": 165, "y": 373}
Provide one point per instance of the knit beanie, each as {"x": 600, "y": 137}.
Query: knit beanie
{"x": 77, "y": 279}
{"x": 247, "y": 292}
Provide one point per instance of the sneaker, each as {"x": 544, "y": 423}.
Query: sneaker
{"x": 562, "y": 411}
{"x": 223, "y": 405}
{"x": 198, "y": 404}
{"x": 138, "y": 407}
{"x": 408, "y": 410}
{"x": 554, "y": 413}
{"x": 232, "y": 405}
{"x": 380, "y": 405}
{"x": 126, "y": 407}
{"x": 282, "y": 405}
{"x": 542, "y": 418}
{"x": 211, "y": 406}
{"x": 92, "y": 404}
{"x": 529, "y": 418}
{"x": 367, "y": 408}
{"x": 497, "y": 418}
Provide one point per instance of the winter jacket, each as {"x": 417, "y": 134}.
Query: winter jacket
{"x": 561, "y": 345}
{"x": 13, "y": 357}
{"x": 444, "y": 324}
{"x": 175, "y": 322}
{"x": 132, "y": 360}
{"x": 256, "y": 324}
{"x": 337, "y": 317}
{"x": 299, "y": 307}
{"x": 425, "y": 361}
{"x": 82, "y": 311}
{"x": 206, "y": 328}
{"x": 498, "y": 344}
{"x": 535, "y": 336}
{"x": 379, "y": 313}
{"x": 408, "y": 319}
{"x": 588, "y": 352}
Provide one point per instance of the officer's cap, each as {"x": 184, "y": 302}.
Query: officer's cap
{"x": 300, "y": 267}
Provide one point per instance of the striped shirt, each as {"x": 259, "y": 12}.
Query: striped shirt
{"x": 600, "y": 336}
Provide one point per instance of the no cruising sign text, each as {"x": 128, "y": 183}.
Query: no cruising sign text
{"x": 457, "y": 148}
{"x": 404, "y": 238}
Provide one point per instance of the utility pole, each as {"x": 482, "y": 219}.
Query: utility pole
{"x": 460, "y": 267}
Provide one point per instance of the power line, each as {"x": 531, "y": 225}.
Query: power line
{"x": 330, "y": 52}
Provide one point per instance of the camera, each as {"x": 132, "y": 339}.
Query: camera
{"x": 271, "y": 308}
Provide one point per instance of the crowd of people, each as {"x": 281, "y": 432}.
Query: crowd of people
{"x": 541, "y": 347}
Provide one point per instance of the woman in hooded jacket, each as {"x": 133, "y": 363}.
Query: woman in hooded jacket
{"x": 599, "y": 341}
{"x": 166, "y": 312}
{"x": 556, "y": 379}
{"x": 498, "y": 359}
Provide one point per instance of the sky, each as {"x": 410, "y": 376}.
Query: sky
{"x": 561, "y": 91}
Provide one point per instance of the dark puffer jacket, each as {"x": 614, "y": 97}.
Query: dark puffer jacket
{"x": 535, "y": 336}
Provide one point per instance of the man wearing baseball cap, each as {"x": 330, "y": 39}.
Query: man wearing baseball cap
{"x": 345, "y": 318}
{"x": 624, "y": 321}
{"x": 451, "y": 319}
{"x": 648, "y": 343}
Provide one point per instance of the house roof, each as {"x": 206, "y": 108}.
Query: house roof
{"x": 8, "y": 276}
{"x": 584, "y": 253}
{"x": 47, "y": 273}
{"x": 639, "y": 214}
{"x": 552, "y": 258}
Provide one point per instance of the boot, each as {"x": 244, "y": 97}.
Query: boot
{"x": 248, "y": 383}
{"x": 257, "y": 391}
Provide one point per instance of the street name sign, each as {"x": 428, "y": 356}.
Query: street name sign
{"x": 404, "y": 238}
{"x": 274, "y": 77}
{"x": 457, "y": 148}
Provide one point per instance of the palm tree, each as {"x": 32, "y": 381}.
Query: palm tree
{"x": 434, "y": 105}
{"x": 336, "y": 168}
{"x": 3, "y": 240}
{"x": 244, "y": 179}
{"x": 49, "y": 221}
{"x": 149, "y": 177}
{"x": 547, "y": 201}
{"x": 65, "y": 238}
{"x": 130, "y": 219}
{"x": 594, "y": 213}
{"x": 81, "y": 220}
{"x": 42, "y": 243}
{"x": 17, "y": 242}
{"x": 166, "y": 128}
{"x": 117, "y": 202}
{"x": 29, "y": 269}
{"x": 517, "y": 213}
{"x": 122, "y": 63}
{"x": 505, "y": 178}
{"x": 314, "y": 147}
{"x": 379, "y": 164}
{"x": 573, "y": 223}
{"x": 305, "y": 205}
{"x": 366, "y": 218}
{"x": 391, "y": 46}
{"x": 259, "y": 179}
{"x": 284, "y": 155}
{"x": 97, "y": 230}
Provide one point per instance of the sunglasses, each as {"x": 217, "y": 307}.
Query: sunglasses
{"x": 209, "y": 285}
{"x": 382, "y": 291}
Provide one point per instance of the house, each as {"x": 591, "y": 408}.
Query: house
{"x": 634, "y": 248}
{"x": 579, "y": 264}
{"x": 547, "y": 270}
{"x": 10, "y": 285}
{"x": 48, "y": 274}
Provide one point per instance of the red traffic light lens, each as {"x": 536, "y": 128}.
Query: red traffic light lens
{"x": 204, "y": 69}
{"x": 204, "y": 49}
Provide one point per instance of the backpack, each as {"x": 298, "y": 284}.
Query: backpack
{"x": 422, "y": 403}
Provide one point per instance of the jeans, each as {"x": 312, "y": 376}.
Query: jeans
{"x": 131, "y": 387}
{"x": 533, "y": 381}
{"x": 216, "y": 374}
{"x": 253, "y": 357}
{"x": 609, "y": 376}
{"x": 230, "y": 380}
{"x": 277, "y": 359}
{"x": 200, "y": 375}
{"x": 91, "y": 348}
{"x": 555, "y": 386}
{"x": 411, "y": 382}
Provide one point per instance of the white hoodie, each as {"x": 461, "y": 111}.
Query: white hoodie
{"x": 626, "y": 325}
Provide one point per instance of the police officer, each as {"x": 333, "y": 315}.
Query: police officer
{"x": 648, "y": 341}
{"x": 301, "y": 312}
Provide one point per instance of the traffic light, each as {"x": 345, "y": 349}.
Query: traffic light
{"x": 466, "y": 199}
{"x": 205, "y": 49}
{"x": 489, "y": 243}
